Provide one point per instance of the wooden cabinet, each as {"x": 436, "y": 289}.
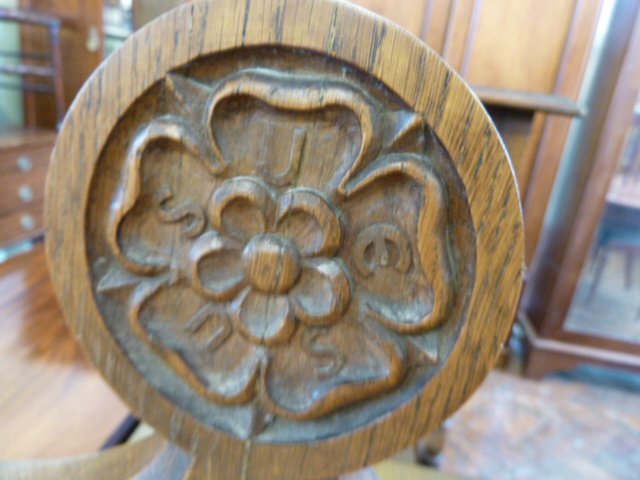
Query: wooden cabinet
{"x": 409, "y": 14}
{"x": 24, "y": 155}
{"x": 82, "y": 49}
{"x": 24, "y": 158}
{"x": 513, "y": 45}
{"x": 526, "y": 60}
{"x": 582, "y": 303}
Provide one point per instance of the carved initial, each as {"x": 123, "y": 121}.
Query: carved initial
{"x": 382, "y": 246}
{"x": 289, "y": 174}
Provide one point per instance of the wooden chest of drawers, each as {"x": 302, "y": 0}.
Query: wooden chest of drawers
{"x": 24, "y": 158}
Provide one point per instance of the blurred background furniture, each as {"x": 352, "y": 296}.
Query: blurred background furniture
{"x": 620, "y": 227}
{"x": 39, "y": 65}
{"x": 25, "y": 152}
{"x": 146, "y": 10}
{"x": 60, "y": 41}
{"x": 81, "y": 51}
{"x": 581, "y": 302}
{"x": 24, "y": 159}
{"x": 619, "y": 233}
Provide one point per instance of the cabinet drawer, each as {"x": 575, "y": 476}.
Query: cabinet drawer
{"x": 22, "y": 178}
{"x": 21, "y": 225}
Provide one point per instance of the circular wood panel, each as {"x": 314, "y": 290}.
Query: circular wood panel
{"x": 287, "y": 234}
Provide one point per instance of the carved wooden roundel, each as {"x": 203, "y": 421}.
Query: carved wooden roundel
{"x": 286, "y": 232}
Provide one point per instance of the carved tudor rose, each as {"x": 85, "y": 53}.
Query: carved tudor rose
{"x": 288, "y": 247}
{"x": 263, "y": 239}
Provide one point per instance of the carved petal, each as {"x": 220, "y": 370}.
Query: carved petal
{"x": 264, "y": 318}
{"x": 396, "y": 295}
{"x": 316, "y": 215}
{"x": 197, "y": 340}
{"x": 325, "y": 369}
{"x": 404, "y": 317}
{"x": 231, "y": 373}
{"x": 322, "y": 292}
{"x": 243, "y": 207}
{"x": 412, "y": 165}
{"x": 215, "y": 267}
{"x": 294, "y": 92}
{"x": 433, "y": 246}
{"x": 167, "y": 128}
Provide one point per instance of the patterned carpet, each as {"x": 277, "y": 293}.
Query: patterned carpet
{"x": 555, "y": 429}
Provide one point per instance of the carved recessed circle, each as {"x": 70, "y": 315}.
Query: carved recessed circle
{"x": 263, "y": 242}
{"x": 288, "y": 246}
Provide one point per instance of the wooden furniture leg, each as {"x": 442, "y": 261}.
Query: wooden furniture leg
{"x": 429, "y": 447}
{"x": 599, "y": 263}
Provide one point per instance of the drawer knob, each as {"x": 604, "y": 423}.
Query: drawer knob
{"x": 28, "y": 222}
{"x": 25, "y": 163}
{"x": 25, "y": 192}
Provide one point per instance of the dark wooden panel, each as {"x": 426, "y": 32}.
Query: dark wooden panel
{"x": 517, "y": 45}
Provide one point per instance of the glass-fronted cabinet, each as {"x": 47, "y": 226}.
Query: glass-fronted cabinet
{"x": 581, "y": 302}
{"x": 607, "y": 298}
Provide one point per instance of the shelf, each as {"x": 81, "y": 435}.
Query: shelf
{"x": 528, "y": 101}
{"x": 22, "y": 69}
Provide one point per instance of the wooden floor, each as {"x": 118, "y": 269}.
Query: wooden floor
{"x": 519, "y": 429}
{"x": 52, "y": 402}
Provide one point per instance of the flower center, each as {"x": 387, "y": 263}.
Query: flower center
{"x": 271, "y": 263}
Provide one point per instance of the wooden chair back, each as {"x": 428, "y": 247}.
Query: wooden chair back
{"x": 287, "y": 233}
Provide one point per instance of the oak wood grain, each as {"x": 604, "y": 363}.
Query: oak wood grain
{"x": 292, "y": 234}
